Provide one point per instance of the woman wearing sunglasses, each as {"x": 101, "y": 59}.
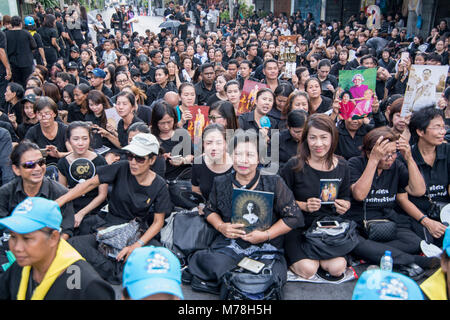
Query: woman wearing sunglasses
{"x": 76, "y": 167}
{"x": 137, "y": 193}
{"x": 29, "y": 166}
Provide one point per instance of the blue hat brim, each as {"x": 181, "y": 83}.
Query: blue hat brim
{"x": 21, "y": 225}
{"x": 147, "y": 287}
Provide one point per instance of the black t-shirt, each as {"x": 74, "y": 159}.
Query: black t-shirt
{"x": 35, "y": 135}
{"x": 20, "y": 46}
{"x": 128, "y": 199}
{"x": 305, "y": 184}
{"x": 23, "y": 128}
{"x": 183, "y": 171}
{"x": 203, "y": 177}
{"x": 145, "y": 113}
{"x": 74, "y": 113}
{"x": 47, "y": 34}
{"x": 91, "y": 285}
{"x": 203, "y": 93}
{"x": 73, "y": 180}
{"x": 437, "y": 177}
{"x": 288, "y": 147}
{"x": 380, "y": 202}
{"x": 122, "y": 132}
{"x": 325, "y": 105}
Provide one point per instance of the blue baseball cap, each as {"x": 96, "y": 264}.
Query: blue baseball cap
{"x": 446, "y": 242}
{"x": 32, "y": 214}
{"x": 386, "y": 285}
{"x": 99, "y": 73}
{"x": 151, "y": 270}
{"x": 28, "y": 21}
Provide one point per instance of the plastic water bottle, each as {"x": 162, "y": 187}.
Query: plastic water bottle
{"x": 386, "y": 261}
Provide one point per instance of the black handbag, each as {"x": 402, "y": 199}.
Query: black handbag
{"x": 181, "y": 193}
{"x": 379, "y": 230}
{"x": 434, "y": 210}
{"x": 191, "y": 232}
{"x": 328, "y": 243}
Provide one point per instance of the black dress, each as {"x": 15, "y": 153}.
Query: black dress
{"x": 223, "y": 255}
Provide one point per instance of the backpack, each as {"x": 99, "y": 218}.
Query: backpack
{"x": 241, "y": 284}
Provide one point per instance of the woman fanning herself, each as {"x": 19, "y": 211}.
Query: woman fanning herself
{"x": 135, "y": 189}
{"x": 233, "y": 243}
{"x": 377, "y": 179}
{"x": 303, "y": 174}
{"x": 77, "y": 167}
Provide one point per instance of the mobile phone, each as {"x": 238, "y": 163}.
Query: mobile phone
{"x": 251, "y": 265}
{"x": 327, "y": 224}
{"x": 44, "y": 152}
{"x": 320, "y": 41}
{"x": 404, "y": 56}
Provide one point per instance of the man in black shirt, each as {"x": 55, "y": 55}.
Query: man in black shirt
{"x": 147, "y": 72}
{"x": 252, "y": 55}
{"x": 351, "y": 43}
{"x": 20, "y": 46}
{"x": 72, "y": 68}
{"x": 205, "y": 88}
{"x": 46, "y": 266}
{"x": 97, "y": 77}
{"x": 5, "y": 69}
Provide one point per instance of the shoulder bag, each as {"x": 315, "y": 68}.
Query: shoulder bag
{"x": 379, "y": 230}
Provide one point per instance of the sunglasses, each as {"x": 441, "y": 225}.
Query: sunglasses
{"x": 32, "y": 164}
{"x": 131, "y": 156}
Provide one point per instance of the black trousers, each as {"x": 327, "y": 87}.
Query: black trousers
{"x": 403, "y": 248}
{"x": 21, "y": 74}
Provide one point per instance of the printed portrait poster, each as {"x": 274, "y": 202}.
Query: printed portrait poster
{"x": 198, "y": 122}
{"x": 288, "y": 53}
{"x": 329, "y": 189}
{"x": 425, "y": 86}
{"x": 358, "y": 92}
{"x": 252, "y": 208}
{"x": 373, "y": 17}
{"x": 248, "y": 96}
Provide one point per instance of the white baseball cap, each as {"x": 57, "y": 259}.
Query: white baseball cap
{"x": 143, "y": 144}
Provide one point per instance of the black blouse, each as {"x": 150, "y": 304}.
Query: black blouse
{"x": 284, "y": 205}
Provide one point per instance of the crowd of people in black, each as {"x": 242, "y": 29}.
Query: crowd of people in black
{"x": 62, "y": 86}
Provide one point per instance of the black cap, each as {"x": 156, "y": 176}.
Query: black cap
{"x": 75, "y": 49}
{"x": 29, "y": 97}
{"x": 72, "y": 65}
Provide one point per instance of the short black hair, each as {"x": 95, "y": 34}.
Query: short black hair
{"x": 420, "y": 120}
{"x": 205, "y": 66}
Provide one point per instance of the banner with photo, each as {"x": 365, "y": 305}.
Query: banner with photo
{"x": 198, "y": 122}
{"x": 358, "y": 92}
{"x": 425, "y": 86}
{"x": 288, "y": 54}
{"x": 248, "y": 96}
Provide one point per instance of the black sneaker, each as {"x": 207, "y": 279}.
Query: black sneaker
{"x": 186, "y": 276}
{"x": 326, "y": 276}
{"x": 411, "y": 270}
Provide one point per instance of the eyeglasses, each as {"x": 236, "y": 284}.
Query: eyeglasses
{"x": 47, "y": 114}
{"x": 32, "y": 164}
{"x": 121, "y": 81}
{"x": 214, "y": 118}
{"x": 439, "y": 128}
{"x": 131, "y": 156}
{"x": 390, "y": 156}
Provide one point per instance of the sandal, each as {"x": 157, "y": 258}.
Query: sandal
{"x": 412, "y": 270}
